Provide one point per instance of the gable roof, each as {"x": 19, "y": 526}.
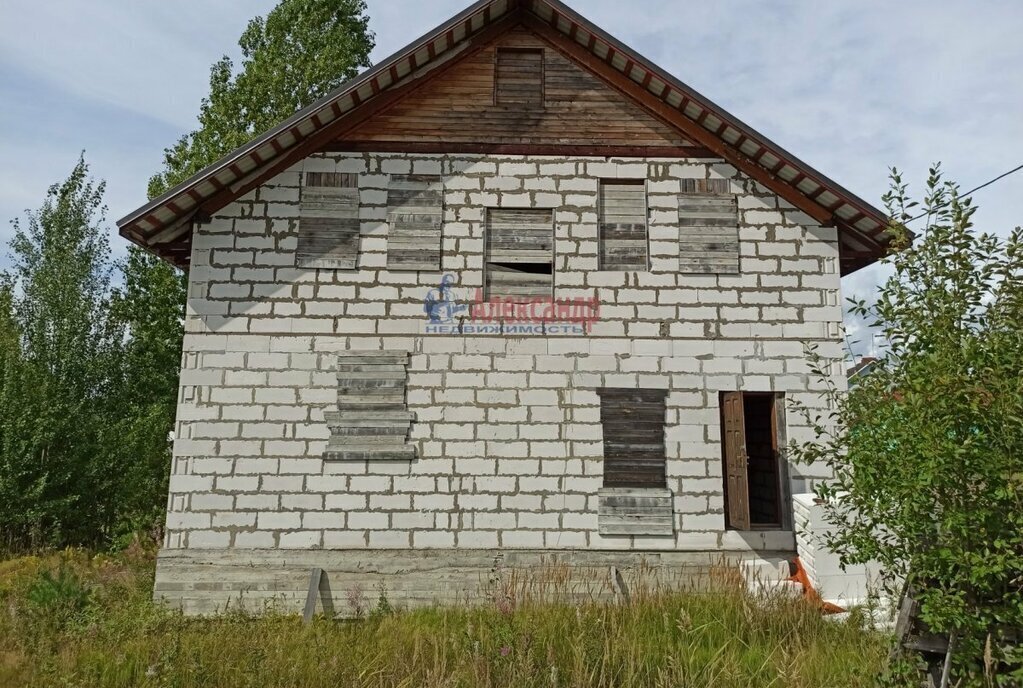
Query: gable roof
{"x": 163, "y": 226}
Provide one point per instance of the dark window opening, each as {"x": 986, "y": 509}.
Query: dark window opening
{"x": 528, "y": 268}
{"x": 633, "y": 423}
{"x": 751, "y": 441}
{"x": 519, "y": 77}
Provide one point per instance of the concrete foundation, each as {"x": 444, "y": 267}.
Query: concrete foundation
{"x": 207, "y": 582}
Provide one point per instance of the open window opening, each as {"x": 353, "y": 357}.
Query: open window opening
{"x": 751, "y": 434}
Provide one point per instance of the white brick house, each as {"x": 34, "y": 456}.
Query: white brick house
{"x": 513, "y": 292}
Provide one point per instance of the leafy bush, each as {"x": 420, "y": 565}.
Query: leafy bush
{"x": 928, "y": 451}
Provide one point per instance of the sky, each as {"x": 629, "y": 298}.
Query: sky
{"x": 852, "y": 87}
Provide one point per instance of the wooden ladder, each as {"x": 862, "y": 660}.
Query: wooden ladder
{"x": 913, "y": 635}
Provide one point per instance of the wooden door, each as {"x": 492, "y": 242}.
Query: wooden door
{"x": 736, "y": 482}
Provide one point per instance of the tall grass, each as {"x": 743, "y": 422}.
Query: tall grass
{"x": 89, "y": 622}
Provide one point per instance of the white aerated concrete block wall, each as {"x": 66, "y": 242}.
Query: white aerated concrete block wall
{"x": 508, "y": 433}
{"x": 845, "y": 588}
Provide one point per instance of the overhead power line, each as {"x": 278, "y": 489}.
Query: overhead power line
{"x": 976, "y": 189}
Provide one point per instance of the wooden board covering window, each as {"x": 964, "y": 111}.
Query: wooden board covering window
{"x": 708, "y": 227}
{"x": 328, "y": 227}
{"x": 519, "y": 253}
{"x": 623, "y": 225}
{"x": 733, "y": 424}
{"x": 415, "y": 210}
{"x": 371, "y": 421}
{"x": 633, "y": 422}
{"x": 518, "y": 77}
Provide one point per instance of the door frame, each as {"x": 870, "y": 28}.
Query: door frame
{"x": 735, "y": 461}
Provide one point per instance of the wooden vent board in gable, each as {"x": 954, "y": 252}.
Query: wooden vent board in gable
{"x": 518, "y": 77}
{"x": 708, "y": 216}
{"x": 623, "y": 225}
{"x": 415, "y": 210}
{"x": 328, "y": 226}
{"x": 519, "y": 253}
{"x": 459, "y": 106}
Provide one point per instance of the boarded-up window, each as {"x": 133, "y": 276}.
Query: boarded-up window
{"x": 415, "y": 210}
{"x": 519, "y": 253}
{"x": 633, "y": 422}
{"x": 623, "y": 225}
{"x": 372, "y": 421}
{"x": 708, "y": 227}
{"x": 328, "y": 228}
{"x": 518, "y": 78}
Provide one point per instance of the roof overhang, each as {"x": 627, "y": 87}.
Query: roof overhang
{"x": 163, "y": 226}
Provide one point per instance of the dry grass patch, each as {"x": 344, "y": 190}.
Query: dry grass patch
{"x": 79, "y": 620}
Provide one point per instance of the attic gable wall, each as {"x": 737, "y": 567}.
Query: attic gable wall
{"x": 459, "y": 107}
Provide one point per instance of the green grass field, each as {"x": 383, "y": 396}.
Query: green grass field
{"x": 75, "y": 619}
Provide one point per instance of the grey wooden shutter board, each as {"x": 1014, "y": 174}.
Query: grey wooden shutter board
{"x": 415, "y": 213}
{"x": 634, "y": 499}
{"x": 372, "y": 421}
{"x": 635, "y": 511}
{"x": 328, "y": 226}
{"x": 623, "y": 226}
{"x": 633, "y": 424}
{"x": 708, "y": 227}
{"x": 518, "y": 240}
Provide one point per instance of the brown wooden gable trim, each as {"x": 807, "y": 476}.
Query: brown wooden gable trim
{"x": 671, "y": 116}
{"x": 240, "y": 171}
{"x": 569, "y": 150}
{"x": 337, "y": 128}
{"x": 462, "y": 108}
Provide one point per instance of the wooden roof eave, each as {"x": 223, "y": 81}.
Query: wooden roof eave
{"x": 712, "y": 128}
{"x": 219, "y": 174}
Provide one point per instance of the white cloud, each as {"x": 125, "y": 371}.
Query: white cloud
{"x": 149, "y": 57}
{"x": 851, "y": 86}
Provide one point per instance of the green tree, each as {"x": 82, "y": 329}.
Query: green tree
{"x": 149, "y": 306}
{"x": 302, "y": 50}
{"x": 927, "y": 450}
{"x": 56, "y": 481}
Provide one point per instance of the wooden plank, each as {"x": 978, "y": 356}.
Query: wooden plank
{"x": 623, "y": 240}
{"x": 736, "y": 481}
{"x": 335, "y": 180}
{"x": 372, "y": 421}
{"x": 328, "y": 227}
{"x": 635, "y": 511}
{"x": 519, "y": 77}
{"x": 706, "y": 186}
{"x": 519, "y": 253}
{"x": 708, "y": 229}
{"x": 415, "y": 213}
{"x": 633, "y": 427}
{"x": 315, "y": 576}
